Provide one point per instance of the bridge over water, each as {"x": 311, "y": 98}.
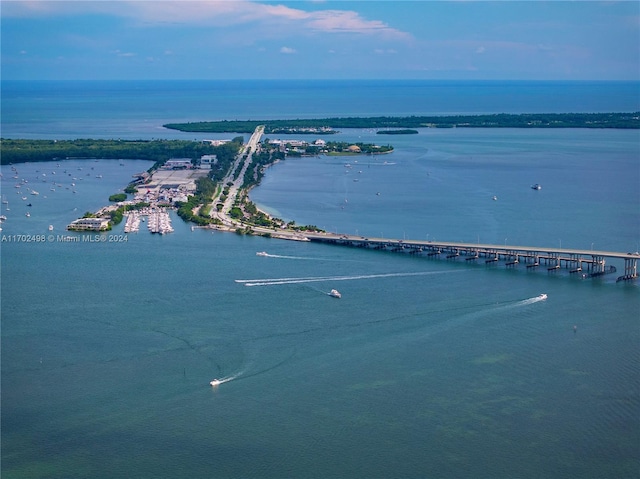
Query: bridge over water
{"x": 586, "y": 263}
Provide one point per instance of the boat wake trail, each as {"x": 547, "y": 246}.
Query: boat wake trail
{"x": 316, "y": 279}
{"x": 267, "y": 255}
{"x": 217, "y": 382}
{"x": 540, "y": 297}
{"x": 494, "y": 311}
{"x": 242, "y": 374}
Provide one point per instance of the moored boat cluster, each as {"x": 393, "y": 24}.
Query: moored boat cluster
{"x": 158, "y": 221}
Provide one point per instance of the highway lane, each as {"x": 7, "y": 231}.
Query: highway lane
{"x": 248, "y": 149}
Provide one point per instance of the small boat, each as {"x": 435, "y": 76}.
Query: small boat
{"x": 262, "y": 253}
{"x": 334, "y": 293}
{"x": 29, "y": 204}
{"x": 215, "y": 382}
{"x": 50, "y": 227}
{"x": 494, "y": 198}
{"x": 537, "y": 186}
{"x": 27, "y": 214}
{"x": 3, "y": 217}
{"x": 543, "y": 296}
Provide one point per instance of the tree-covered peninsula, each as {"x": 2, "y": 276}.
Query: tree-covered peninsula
{"x": 20, "y": 151}
{"x": 502, "y": 120}
{"x": 398, "y": 132}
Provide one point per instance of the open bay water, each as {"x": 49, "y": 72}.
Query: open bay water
{"x": 138, "y": 109}
{"x": 424, "y": 368}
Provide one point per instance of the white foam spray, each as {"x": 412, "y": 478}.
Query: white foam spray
{"x": 316, "y": 279}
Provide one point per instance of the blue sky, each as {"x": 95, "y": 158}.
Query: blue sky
{"x": 232, "y": 39}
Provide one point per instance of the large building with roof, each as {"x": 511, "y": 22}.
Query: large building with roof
{"x": 177, "y": 164}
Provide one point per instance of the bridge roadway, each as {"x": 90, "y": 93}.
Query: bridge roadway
{"x": 587, "y": 263}
{"x": 242, "y": 161}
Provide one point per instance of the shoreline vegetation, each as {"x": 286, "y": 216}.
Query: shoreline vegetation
{"x": 397, "y": 132}
{"x": 327, "y": 126}
{"x": 158, "y": 151}
{"x": 221, "y": 199}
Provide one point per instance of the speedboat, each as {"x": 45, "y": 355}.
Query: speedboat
{"x": 334, "y": 293}
{"x": 262, "y": 253}
{"x": 215, "y": 382}
{"x": 494, "y": 198}
{"x": 543, "y": 296}
{"x": 537, "y": 186}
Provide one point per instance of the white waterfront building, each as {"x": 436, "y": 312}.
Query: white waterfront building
{"x": 89, "y": 224}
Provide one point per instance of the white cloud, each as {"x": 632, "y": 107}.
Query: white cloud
{"x": 124, "y": 54}
{"x": 287, "y": 50}
{"x": 480, "y": 50}
{"x": 351, "y": 22}
{"x": 210, "y": 13}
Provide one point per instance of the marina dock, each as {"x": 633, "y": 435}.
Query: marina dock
{"x": 158, "y": 221}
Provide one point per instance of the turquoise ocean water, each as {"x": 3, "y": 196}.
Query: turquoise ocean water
{"x": 424, "y": 368}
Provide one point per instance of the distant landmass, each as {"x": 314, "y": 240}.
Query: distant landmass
{"x": 502, "y": 120}
{"x": 397, "y": 132}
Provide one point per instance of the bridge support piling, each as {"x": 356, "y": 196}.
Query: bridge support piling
{"x": 630, "y": 270}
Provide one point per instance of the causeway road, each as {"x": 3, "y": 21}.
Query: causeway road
{"x": 248, "y": 149}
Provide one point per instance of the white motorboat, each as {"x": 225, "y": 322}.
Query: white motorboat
{"x": 262, "y": 253}
{"x": 334, "y": 293}
{"x": 215, "y": 382}
{"x": 537, "y": 186}
{"x": 543, "y": 296}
